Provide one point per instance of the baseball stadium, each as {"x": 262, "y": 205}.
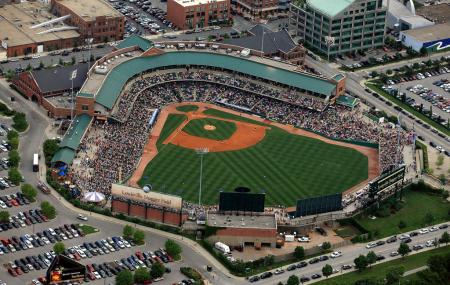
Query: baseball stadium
{"x": 195, "y": 123}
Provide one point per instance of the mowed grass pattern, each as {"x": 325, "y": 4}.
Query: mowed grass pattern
{"x": 223, "y": 129}
{"x": 187, "y": 108}
{"x": 286, "y": 167}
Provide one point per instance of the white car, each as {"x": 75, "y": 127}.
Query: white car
{"x": 336, "y": 254}
{"x": 429, "y": 243}
{"x": 97, "y": 275}
{"x": 371, "y": 245}
{"x": 278, "y": 271}
{"x": 303, "y": 239}
{"x": 394, "y": 253}
{"x": 81, "y": 217}
{"x": 36, "y": 56}
{"x": 3, "y": 205}
{"x": 423, "y": 231}
{"x": 433, "y": 229}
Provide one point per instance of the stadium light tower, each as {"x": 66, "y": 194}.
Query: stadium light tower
{"x": 399, "y": 126}
{"x": 201, "y": 152}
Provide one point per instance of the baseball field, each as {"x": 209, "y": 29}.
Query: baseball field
{"x": 246, "y": 152}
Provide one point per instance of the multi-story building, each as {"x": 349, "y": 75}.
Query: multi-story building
{"x": 339, "y": 26}
{"x": 259, "y": 9}
{"x": 190, "y": 14}
{"x": 94, "y": 18}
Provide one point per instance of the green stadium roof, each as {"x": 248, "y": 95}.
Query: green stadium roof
{"x": 65, "y": 155}
{"x": 73, "y": 136}
{"x": 347, "y": 100}
{"x": 329, "y": 8}
{"x": 86, "y": 95}
{"x": 118, "y": 76}
{"x": 134, "y": 40}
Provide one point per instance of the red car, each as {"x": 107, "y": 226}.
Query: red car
{"x": 12, "y": 272}
{"x": 19, "y": 271}
{"x": 42, "y": 279}
{"x": 44, "y": 218}
{"x": 91, "y": 276}
{"x": 139, "y": 255}
{"x": 89, "y": 268}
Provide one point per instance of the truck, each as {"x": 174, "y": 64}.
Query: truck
{"x": 288, "y": 238}
{"x": 225, "y": 249}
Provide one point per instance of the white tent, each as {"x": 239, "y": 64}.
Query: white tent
{"x": 94, "y": 197}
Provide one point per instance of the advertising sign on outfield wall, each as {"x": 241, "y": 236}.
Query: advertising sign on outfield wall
{"x": 154, "y": 198}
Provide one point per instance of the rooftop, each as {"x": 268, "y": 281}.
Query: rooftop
{"x": 65, "y": 155}
{"x": 90, "y": 9}
{"x": 431, "y": 33}
{"x": 329, "y": 8}
{"x": 439, "y": 14}
{"x": 263, "y": 221}
{"x": 74, "y": 134}
{"x": 134, "y": 40}
{"x": 118, "y": 76}
{"x": 273, "y": 41}
{"x": 187, "y": 3}
{"x": 57, "y": 79}
{"x": 16, "y": 21}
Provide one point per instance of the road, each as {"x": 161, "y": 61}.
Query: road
{"x": 354, "y": 85}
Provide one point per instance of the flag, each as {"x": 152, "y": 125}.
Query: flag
{"x": 74, "y": 75}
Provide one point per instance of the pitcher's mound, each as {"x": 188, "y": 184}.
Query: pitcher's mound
{"x": 209, "y": 127}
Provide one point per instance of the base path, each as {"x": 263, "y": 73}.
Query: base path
{"x": 178, "y": 137}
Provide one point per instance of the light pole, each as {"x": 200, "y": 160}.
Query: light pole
{"x": 89, "y": 42}
{"x": 330, "y": 42}
{"x": 72, "y": 77}
{"x": 201, "y": 152}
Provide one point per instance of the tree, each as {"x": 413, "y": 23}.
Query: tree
{"x": 59, "y": 248}
{"x": 20, "y": 122}
{"x": 445, "y": 238}
{"x": 73, "y": 60}
{"x": 50, "y": 148}
{"x": 299, "y": 252}
{"x": 157, "y": 270}
{"x": 401, "y": 224}
{"x": 48, "y": 210}
{"x": 60, "y": 61}
{"x": 428, "y": 219}
{"x": 440, "y": 161}
{"x": 29, "y": 191}
{"x": 141, "y": 275}
{"x": 403, "y": 249}
{"x": 293, "y": 280}
{"x": 139, "y": 237}
{"x": 394, "y": 274}
{"x": 4, "y": 216}
{"x": 14, "y": 142}
{"x": 173, "y": 249}
{"x": 128, "y": 231}
{"x": 14, "y": 176}
{"x": 124, "y": 277}
{"x": 326, "y": 245}
{"x": 361, "y": 262}
{"x": 327, "y": 270}
{"x": 12, "y": 134}
{"x": 14, "y": 158}
{"x": 371, "y": 257}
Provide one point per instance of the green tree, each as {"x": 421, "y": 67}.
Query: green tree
{"x": 327, "y": 270}
{"x": 326, "y": 246}
{"x": 73, "y": 60}
{"x": 141, "y": 275}
{"x": 440, "y": 161}
{"x": 60, "y": 61}
{"x": 20, "y": 122}
{"x": 59, "y": 248}
{"x": 128, "y": 231}
{"x": 361, "y": 262}
{"x": 14, "y": 176}
{"x": 48, "y": 210}
{"x": 299, "y": 252}
{"x": 50, "y": 148}
{"x": 4, "y": 216}
{"x": 139, "y": 237}
{"x": 371, "y": 257}
{"x": 157, "y": 270}
{"x": 12, "y": 134}
{"x": 394, "y": 274}
{"x": 14, "y": 158}
{"x": 403, "y": 249}
{"x": 124, "y": 277}
{"x": 445, "y": 238}
{"x": 14, "y": 142}
{"x": 428, "y": 219}
{"x": 293, "y": 280}
{"x": 29, "y": 191}
{"x": 402, "y": 224}
{"x": 173, "y": 249}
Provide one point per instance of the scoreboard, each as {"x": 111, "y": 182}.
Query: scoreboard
{"x": 386, "y": 180}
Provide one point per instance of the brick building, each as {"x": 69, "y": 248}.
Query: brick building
{"x": 259, "y": 9}
{"x": 19, "y": 34}
{"x": 190, "y": 14}
{"x": 94, "y": 18}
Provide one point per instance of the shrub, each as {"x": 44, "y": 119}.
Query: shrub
{"x": 29, "y": 191}
{"x": 48, "y": 210}
{"x": 173, "y": 249}
{"x": 20, "y": 122}
{"x": 14, "y": 176}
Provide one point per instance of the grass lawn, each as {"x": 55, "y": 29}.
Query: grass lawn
{"x": 379, "y": 271}
{"x": 410, "y": 109}
{"x": 416, "y": 205}
{"x": 172, "y": 122}
{"x": 347, "y": 231}
{"x": 224, "y": 130}
{"x": 88, "y": 229}
{"x": 187, "y": 108}
{"x": 225, "y": 115}
{"x": 286, "y": 167}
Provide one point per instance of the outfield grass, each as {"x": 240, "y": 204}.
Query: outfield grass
{"x": 225, "y": 115}
{"x": 286, "y": 167}
{"x": 380, "y": 270}
{"x": 224, "y": 130}
{"x": 415, "y": 206}
{"x": 172, "y": 122}
{"x": 187, "y": 108}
